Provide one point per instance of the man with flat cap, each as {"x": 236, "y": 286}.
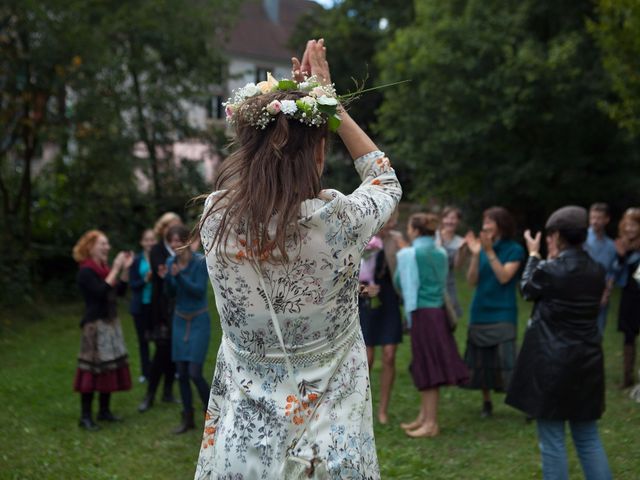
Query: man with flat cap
{"x": 559, "y": 374}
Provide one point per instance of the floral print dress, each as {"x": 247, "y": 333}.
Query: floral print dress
{"x": 260, "y": 422}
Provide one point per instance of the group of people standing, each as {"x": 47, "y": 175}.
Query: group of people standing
{"x": 168, "y": 283}
{"x": 571, "y": 290}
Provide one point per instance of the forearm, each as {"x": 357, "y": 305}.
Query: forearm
{"x": 354, "y": 138}
{"x": 112, "y": 278}
{"x": 472, "y": 272}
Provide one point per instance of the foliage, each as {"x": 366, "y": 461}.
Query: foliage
{"x": 617, "y": 32}
{"x": 87, "y": 83}
{"x": 354, "y": 30}
{"x": 503, "y": 107}
{"x": 39, "y": 437}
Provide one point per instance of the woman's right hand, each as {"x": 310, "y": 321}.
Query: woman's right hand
{"x": 316, "y": 54}
{"x": 622, "y": 246}
{"x": 473, "y": 243}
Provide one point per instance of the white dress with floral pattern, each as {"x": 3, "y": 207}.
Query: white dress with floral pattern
{"x": 257, "y": 420}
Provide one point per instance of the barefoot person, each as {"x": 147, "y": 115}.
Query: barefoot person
{"x": 382, "y": 323}
{"x": 290, "y": 396}
{"x": 102, "y": 362}
{"x": 435, "y": 361}
{"x": 559, "y": 375}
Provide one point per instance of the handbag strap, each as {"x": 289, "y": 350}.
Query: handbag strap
{"x": 306, "y": 425}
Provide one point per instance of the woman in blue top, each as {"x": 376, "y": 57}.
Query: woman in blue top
{"x": 421, "y": 275}
{"x": 491, "y": 341}
{"x": 187, "y": 280}
{"x": 140, "y": 307}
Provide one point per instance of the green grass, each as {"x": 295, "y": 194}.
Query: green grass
{"x": 39, "y": 438}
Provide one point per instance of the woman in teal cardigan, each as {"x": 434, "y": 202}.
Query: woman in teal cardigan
{"x": 421, "y": 276}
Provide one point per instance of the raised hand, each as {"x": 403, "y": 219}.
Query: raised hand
{"x": 622, "y": 246}
{"x": 162, "y": 270}
{"x": 317, "y": 55}
{"x": 175, "y": 269}
{"x": 473, "y": 243}
{"x": 533, "y": 243}
{"x": 127, "y": 259}
{"x": 486, "y": 241}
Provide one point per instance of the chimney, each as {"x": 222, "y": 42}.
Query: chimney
{"x": 272, "y": 8}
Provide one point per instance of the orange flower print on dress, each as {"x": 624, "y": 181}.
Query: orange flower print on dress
{"x": 375, "y": 181}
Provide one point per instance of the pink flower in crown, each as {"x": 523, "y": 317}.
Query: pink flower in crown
{"x": 274, "y": 107}
{"x": 228, "y": 111}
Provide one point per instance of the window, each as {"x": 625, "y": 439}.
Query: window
{"x": 215, "y": 109}
{"x": 261, "y": 73}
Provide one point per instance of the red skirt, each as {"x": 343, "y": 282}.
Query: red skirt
{"x": 106, "y": 382}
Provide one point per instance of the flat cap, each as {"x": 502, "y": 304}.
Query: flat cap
{"x": 568, "y": 218}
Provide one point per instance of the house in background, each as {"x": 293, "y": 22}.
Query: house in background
{"x": 258, "y": 43}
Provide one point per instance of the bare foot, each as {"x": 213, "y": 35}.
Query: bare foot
{"x": 413, "y": 425}
{"x": 425, "y": 430}
{"x": 383, "y": 418}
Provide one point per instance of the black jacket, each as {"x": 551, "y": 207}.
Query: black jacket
{"x": 99, "y": 296}
{"x": 559, "y": 374}
{"x": 161, "y": 304}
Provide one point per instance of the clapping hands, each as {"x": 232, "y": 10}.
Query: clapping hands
{"x": 533, "y": 243}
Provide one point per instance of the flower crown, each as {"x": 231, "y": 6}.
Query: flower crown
{"x": 318, "y": 107}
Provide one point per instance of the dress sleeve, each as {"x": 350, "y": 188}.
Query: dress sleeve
{"x": 136, "y": 282}
{"x": 170, "y": 282}
{"x": 515, "y": 253}
{"x": 360, "y": 215}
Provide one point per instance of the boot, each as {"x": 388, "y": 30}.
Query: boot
{"x": 88, "y": 424}
{"x": 629, "y": 354}
{"x": 187, "y": 423}
{"x": 86, "y": 420}
{"x": 487, "y": 409}
{"x": 146, "y": 404}
{"x": 105, "y": 413}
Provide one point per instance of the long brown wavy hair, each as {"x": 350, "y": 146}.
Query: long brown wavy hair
{"x": 269, "y": 174}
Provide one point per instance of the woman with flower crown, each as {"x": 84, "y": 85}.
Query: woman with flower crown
{"x": 290, "y": 396}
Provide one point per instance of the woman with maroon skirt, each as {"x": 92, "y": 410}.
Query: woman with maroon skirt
{"x": 422, "y": 276}
{"x": 102, "y": 362}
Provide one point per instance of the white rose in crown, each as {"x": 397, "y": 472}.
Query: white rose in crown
{"x": 330, "y": 101}
{"x": 317, "y": 92}
{"x": 250, "y": 90}
{"x": 288, "y": 107}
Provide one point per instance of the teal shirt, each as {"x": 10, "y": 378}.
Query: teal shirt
{"x": 492, "y": 301}
{"x": 433, "y": 267}
{"x": 146, "y": 290}
{"x": 421, "y": 274}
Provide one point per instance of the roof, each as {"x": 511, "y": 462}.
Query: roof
{"x": 256, "y": 35}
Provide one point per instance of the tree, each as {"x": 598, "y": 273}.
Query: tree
{"x": 617, "y": 33}
{"x": 503, "y": 107}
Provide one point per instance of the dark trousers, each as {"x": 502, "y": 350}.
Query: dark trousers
{"x": 142, "y": 323}
{"x": 161, "y": 365}
{"x": 192, "y": 372}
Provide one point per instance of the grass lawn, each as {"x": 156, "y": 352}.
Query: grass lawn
{"x": 39, "y": 437}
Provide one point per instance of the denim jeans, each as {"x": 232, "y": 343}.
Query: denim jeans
{"x": 587, "y": 442}
{"x": 192, "y": 372}
{"x": 602, "y": 318}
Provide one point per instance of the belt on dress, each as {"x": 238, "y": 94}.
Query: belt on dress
{"x": 188, "y": 317}
{"x": 299, "y": 359}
